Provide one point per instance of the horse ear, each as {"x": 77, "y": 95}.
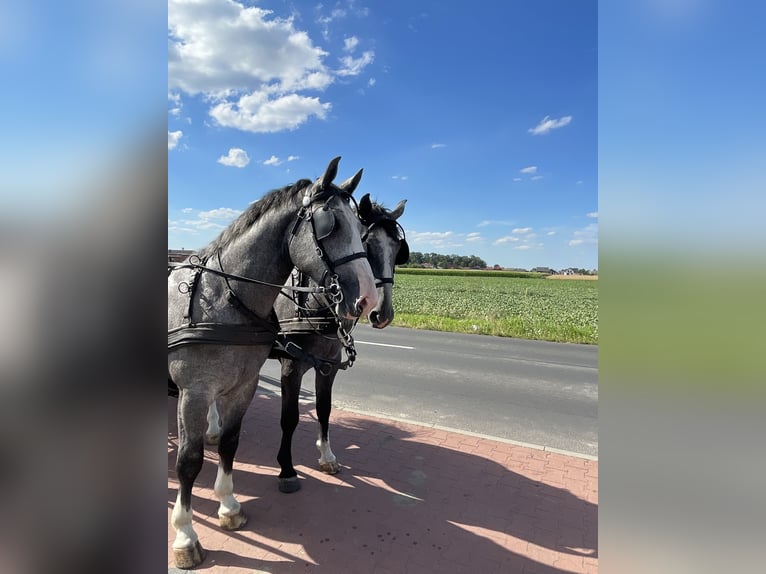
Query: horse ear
{"x": 396, "y": 213}
{"x": 350, "y": 184}
{"x": 365, "y": 207}
{"x": 329, "y": 174}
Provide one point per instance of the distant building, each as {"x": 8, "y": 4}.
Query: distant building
{"x": 545, "y": 270}
{"x": 178, "y": 255}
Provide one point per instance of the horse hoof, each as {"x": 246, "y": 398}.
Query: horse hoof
{"x": 233, "y": 522}
{"x": 330, "y": 467}
{"x": 187, "y": 558}
{"x": 212, "y": 440}
{"x": 288, "y": 485}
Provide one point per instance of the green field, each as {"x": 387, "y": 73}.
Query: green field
{"x": 487, "y": 303}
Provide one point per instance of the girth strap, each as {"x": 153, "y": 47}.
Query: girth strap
{"x": 216, "y": 333}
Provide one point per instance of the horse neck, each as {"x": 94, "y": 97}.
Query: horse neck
{"x": 261, "y": 253}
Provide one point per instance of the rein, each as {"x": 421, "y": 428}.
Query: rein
{"x": 198, "y": 265}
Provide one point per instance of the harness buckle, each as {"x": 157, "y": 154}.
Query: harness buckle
{"x": 334, "y": 291}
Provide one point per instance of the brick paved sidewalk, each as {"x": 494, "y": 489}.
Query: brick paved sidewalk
{"x": 409, "y": 499}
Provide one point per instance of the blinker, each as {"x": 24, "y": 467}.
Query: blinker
{"x": 324, "y": 222}
{"x": 404, "y": 253}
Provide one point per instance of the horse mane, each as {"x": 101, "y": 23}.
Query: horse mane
{"x": 381, "y": 216}
{"x": 273, "y": 199}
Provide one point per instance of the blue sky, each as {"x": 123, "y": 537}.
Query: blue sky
{"x": 484, "y": 119}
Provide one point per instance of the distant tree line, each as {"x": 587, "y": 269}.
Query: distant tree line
{"x": 441, "y": 261}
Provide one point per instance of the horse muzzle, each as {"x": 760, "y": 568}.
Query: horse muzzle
{"x": 378, "y": 321}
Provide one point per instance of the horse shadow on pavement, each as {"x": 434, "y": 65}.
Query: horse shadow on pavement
{"x": 403, "y": 502}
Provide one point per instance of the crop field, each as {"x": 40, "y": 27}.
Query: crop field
{"x": 524, "y": 307}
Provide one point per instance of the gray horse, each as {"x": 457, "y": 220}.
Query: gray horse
{"x": 221, "y": 326}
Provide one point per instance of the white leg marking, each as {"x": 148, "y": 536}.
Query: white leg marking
{"x": 224, "y": 490}
{"x": 182, "y": 524}
{"x": 325, "y": 453}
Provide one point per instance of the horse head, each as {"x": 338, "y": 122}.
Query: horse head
{"x": 326, "y": 244}
{"x": 386, "y": 247}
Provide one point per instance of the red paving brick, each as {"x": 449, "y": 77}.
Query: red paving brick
{"x": 409, "y": 498}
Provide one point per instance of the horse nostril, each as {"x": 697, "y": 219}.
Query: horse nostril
{"x": 362, "y": 306}
{"x": 374, "y": 318}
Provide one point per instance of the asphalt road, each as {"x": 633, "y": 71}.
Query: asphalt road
{"x": 529, "y": 391}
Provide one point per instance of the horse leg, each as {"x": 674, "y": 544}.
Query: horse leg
{"x": 191, "y": 412}
{"x": 232, "y": 407}
{"x": 292, "y": 374}
{"x": 213, "y": 433}
{"x": 327, "y": 461}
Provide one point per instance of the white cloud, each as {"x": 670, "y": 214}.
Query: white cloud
{"x": 423, "y": 240}
{"x": 274, "y": 160}
{"x": 547, "y": 124}
{"x": 212, "y": 220}
{"x": 474, "y": 237}
{"x": 250, "y": 65}
{"x": 219, "y": 46}
{"x": 593, "y": 214}
{"x": 487, "y": 222}
{"x": 529, "y": 169}
{"x": 401, "y": 177}
{"x": 350, "y": 44}
{"x": 176, "y": 104}
{"x": 222, "y": 213}
{"x": 516, "y": 179}
{"x": 588, "y": 235}
{"x": 174, "y": 138}
{"x": 354, "y": 66}
{"x": 438, "y": 145}
{"x": 236, "y": 158}
{"x": 536, "y": 177}
{"x": 551, "y": 233}
{"x": 260, "y": 114}
{"x": 521, "y": 238}
{"x": 371, "y": 82}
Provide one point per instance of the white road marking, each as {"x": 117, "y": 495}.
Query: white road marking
{"x": 386, "y": 345}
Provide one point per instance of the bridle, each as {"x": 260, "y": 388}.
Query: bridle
{"x": 323, "y": 223}
{"x": 402, "y": 256}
